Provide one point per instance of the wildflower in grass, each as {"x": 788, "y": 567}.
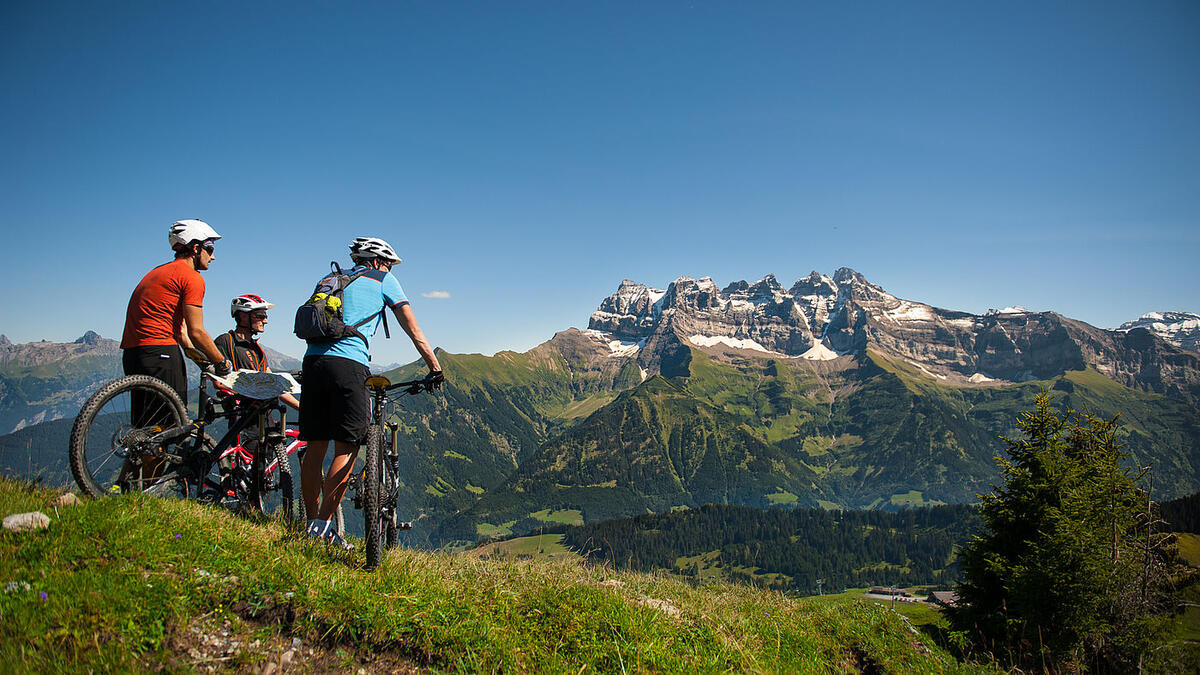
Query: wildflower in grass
{"x": 178, "y": 536}
{"x": 42, "y": 595}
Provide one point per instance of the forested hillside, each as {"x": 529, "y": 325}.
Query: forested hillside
{"x": 786, "y": 549}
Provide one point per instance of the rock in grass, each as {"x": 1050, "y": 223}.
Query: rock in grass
{"x": 64, "y": 500}
{"x": 26, "y": 522}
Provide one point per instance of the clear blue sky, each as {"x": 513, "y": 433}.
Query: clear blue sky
{"x": 523, "y": 158}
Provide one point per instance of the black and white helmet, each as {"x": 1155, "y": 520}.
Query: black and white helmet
{"x": 184, "y": 232}
{"x": 365, "y": 248}
{"x": 247, "y": 303}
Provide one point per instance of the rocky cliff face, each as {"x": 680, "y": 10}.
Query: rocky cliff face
{"x": 33, "y": 354}
{"x": 1181, "y": 329}
{"x": 822, "y": 318}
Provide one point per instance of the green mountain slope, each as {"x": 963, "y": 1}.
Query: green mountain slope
{"x": 788, "y": 549}
{"x": 868, "y": 432}
{"x": 653, "y": 449}
{"x": 492, "y": 414}
{"x": 31, "y": 393}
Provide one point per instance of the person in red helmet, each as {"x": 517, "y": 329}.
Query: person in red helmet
{"x": 240, "y": 345}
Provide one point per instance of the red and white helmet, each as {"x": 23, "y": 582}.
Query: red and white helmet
{"x": 247, "y": 303}
{"x": 184, "y": 232}
{"x": 363, "y": 248}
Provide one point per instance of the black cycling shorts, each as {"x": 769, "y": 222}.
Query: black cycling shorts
{"x": 164, "y": 362}
{"x": 334, "y": 405}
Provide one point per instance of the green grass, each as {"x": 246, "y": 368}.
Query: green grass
{"x": 565, "y": 516}
{"x": 539, "y": 545}
{"x": 918, "y": 613}
{"x": 913, "y": 498}
{"x": 1189, "y": 547}
{"x": 782, "y": 497}
{"x": 124, "y": 593}
{"x": 490, "y": 530}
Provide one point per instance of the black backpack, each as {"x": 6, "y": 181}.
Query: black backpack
{"x": 320, "y": 319}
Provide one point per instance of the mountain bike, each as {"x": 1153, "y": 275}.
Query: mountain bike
{"x": 377, "y": 488}
{"x": 135, "y": 434}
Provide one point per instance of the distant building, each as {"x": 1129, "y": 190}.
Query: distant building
{"x": 943, "y": 598}
{"x": 888, "y": 590}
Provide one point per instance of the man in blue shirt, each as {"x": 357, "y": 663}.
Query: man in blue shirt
{"x": 335, "y": 405}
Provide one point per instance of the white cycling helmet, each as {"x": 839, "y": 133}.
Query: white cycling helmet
{"x": 364, "y": 248}
{"x": 184, "y": 232}
{"x": 247, "y": 303}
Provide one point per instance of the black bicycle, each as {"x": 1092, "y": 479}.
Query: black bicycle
{"x": 135, "y": 434}
{"x": 376, "y": 488}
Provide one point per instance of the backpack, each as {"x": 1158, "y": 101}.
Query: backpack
{"x": 320, "y": 319}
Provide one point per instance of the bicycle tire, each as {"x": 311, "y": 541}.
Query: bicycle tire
{"x": 101, "y": 434}
{"x": 373, "y": 525}
{"x": 389, "y": 522}
{"x": 274, "y": 495}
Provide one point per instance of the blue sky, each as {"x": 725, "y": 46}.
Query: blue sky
{"x": 523, "y": 158}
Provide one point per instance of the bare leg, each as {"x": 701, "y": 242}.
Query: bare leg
{"x": 338, "y": 477}
{"x": 310, "y": 475}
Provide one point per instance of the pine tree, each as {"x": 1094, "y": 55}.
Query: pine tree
{"x": 1066, "y": 570}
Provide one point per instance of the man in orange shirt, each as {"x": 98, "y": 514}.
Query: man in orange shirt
{"x": 166, "y": 311}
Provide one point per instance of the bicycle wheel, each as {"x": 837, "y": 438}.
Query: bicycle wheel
{"x": 372, "y": 513}
{"x": 109, "y": 448}
{"x": 272, "y": 492}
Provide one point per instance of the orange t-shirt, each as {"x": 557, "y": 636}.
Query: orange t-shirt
{"x": 155, "y": 313}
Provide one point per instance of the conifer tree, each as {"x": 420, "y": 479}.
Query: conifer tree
{"x": 1066, "y": 569}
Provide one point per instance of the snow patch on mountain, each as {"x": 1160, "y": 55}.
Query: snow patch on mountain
{"x": 911, "y": 311}
{"x": 1181, "y": 329}
{"x": 736, "y": 343}
{"x": 1015, "y": 309}
{"x": 616, "y": 347}
{"x": 819, "y": 352}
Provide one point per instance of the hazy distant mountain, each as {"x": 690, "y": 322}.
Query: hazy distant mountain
{"x": 281, "y": 362}
{"x": 41, "y": 381}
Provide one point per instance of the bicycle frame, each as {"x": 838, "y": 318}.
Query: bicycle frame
{"x": 195, "y": 464}
{"x": 377, "y": 488}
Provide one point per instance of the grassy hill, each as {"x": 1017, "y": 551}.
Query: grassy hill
{"x": 135, "y": 583}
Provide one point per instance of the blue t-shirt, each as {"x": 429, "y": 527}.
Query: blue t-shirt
{"x": 365, "y": 296}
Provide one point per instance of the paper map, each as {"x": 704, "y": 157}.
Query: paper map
{"x": 257, "y": 385}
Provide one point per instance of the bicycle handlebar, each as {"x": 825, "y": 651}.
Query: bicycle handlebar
{"x": 412, "y": 386}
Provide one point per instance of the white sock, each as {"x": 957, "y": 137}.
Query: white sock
{"x": 317, "y": 527}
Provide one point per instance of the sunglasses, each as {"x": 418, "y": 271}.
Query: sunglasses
{"x": 259, "y": 316}
{"x": 208, "y": 246}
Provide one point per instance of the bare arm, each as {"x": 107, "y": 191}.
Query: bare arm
{"x": 193, "y": 321}
{"x": 288, "y": 399}
{"x": 408, "y": 321}
{"x": 184, "y": 340}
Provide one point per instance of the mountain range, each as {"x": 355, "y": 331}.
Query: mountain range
{"x": 831, "y": 392}
{"x": 44, "y": 381}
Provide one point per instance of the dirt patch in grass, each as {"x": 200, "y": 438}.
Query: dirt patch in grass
{"x": 256, "y": 638}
